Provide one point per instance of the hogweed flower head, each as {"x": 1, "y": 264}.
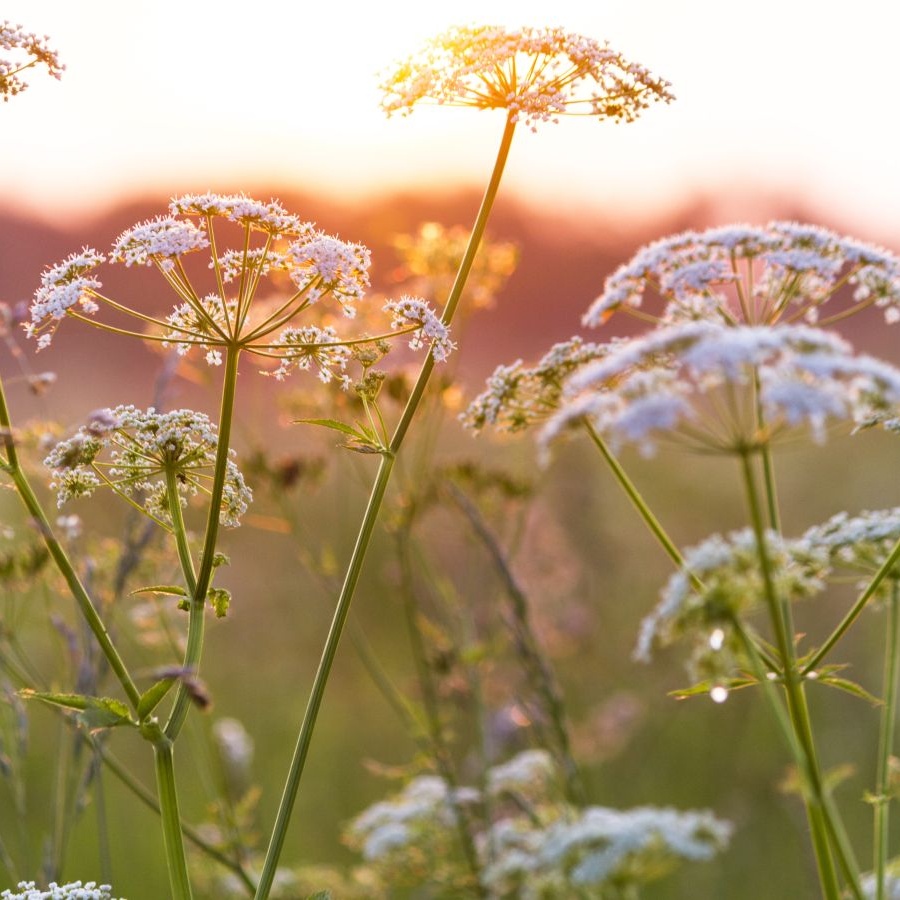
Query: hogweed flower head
{"x": 783, "y": 272}
{"x": 73, "y": 890}
{"x": 858, "y": 544}
{"x": 304, "y": 266}
{"x": 705, "y": 384}
{"x": 517, "y": 397}
{"x": 134, "y": 452}
{"x": 28, "y": 50}
{"x": 732, "y": 587}
{"x": 536, "y": 74}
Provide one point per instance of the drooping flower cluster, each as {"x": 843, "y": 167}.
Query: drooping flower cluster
{"x": 706, "y": 384}
{"x": 783, "y": 272}
{"x": 537, "y": 845}
{"x": 28, "y": 50}
{"x": 139, "y": 454}
{"x": 517, "y": 397}
{"x": 537, "y": 74}
{"x": 720, "y": 584}
{"x": 73, "y": 890}
{"x": 304, "y": 264}
{"x": 431, "y": 259}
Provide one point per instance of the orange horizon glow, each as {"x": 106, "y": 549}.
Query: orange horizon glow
{"x": 160, "y": 98}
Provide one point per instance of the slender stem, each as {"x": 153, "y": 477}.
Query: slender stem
{"x": 818, "y": 811}
{"x": 886, "y": 740}
{"x": 197, "y": 618}
{"x": 67, "y": 570}
{"x": 354, "y": 568}
{"x": 539, "y": 670}
{"x": 855, "y": 610}
{"x": 637, "y": 500}
{"x": 171, "y": 820}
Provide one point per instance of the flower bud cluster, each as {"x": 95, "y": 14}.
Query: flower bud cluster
{"x": 28, "y": 50}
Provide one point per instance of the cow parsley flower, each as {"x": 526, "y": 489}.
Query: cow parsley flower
{"x": 73, "y": 890}
{"x": 28, "y": 50}
{"x": 704, "y": 385}
{"x": 783, "y": 272}
{"x": 517, "y": 397}
{"x": 133, "y": 451}
{"x": 858, "y": 544}
{"x": 428, "y": 328}
{"x": 536, "y": 74}
{"x": 161, "y": 240}
{"x": 720, "y": 583}
{"x": 312, "y": 347}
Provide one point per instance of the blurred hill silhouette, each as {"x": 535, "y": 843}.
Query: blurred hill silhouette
{"x": 565, "y": 257}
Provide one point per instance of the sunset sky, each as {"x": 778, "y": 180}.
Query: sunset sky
{"x": 776, "y": 96}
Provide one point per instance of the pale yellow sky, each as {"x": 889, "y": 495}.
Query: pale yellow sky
{"x": 165, "y": 96}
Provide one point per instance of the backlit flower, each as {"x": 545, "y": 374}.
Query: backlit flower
{"x": 783, "y": 272}
{"x": 537, "y": 74}
{"x": 27, "y": 50}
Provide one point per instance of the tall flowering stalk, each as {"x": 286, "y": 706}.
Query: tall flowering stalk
{"x": 737, "y": 360}
{"x": 538, "y": 74}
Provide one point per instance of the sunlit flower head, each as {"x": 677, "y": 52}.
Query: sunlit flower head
{"x": 722, "y": 582}
{"x": 139, "y": 454}
{"x": 783, "y": 272}
{"x": 728, "y": 389}
{"x": 72, "y": 890}
{"x": 518, "y": 396}
{"x": 536, "y": 74}
{"x": 25, "y": 50}
{"x": 427, "y": 328}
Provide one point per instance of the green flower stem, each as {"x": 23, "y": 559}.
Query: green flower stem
{"x": 354, "y": 568}
{"x": 197, "y": 617}
{"x": 35, "y": 510}
{"x": 638, "y": 501}
{"x": 855, "y": 610}
{"x": 886, "y": 740}
{"x": 818, "y": 810}
{"x": 171, "y": 820}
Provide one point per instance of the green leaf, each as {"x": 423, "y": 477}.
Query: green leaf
{"x": 333, "y": 424}
{"x": 704, "y": 687}
{"x": 173, "y": 589}
{"x": 851, "y": 687}
{"x": 152, "y": 697}
{"x": 320, "y": 895}
{"x": 219, "y": 600}
{"x": 95, "y": 712}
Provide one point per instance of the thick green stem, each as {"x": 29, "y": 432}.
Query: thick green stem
{"x": 825, "y": 834}
{"x": 886, "y": 740}
{"x": 197, "y": 615}
{"x": 354, "y": 568}
{"x": 77, "y": 589}
{"x": 171, "y": 820}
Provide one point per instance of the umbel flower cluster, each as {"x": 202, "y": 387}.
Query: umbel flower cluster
{"x": 304, "y": 266}
{"x": 537, "y": 74}
{"x": 537, "y": 844}
{"x": 734, "y": 359}
{"x": 74, "y": 890}
{"x": 27, "y": 50}
{"x": 142, "y": 456}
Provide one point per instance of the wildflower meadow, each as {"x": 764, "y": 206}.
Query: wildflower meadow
{"x": 686, "y": 501}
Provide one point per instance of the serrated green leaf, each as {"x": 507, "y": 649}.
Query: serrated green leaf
{"x": 171, "y": 589}
{"x": 851, "y": 687}
{"x": 94, "y": 712}
{"x": 153, "y": 696}
{"x": 219, "y": 600}
{"x": 334, "y": 424}
{"x": 704, "y": 687}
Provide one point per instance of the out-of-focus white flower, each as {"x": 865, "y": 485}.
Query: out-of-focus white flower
{"x": 27, "y": 50}
{"x": 73, "y": 890}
